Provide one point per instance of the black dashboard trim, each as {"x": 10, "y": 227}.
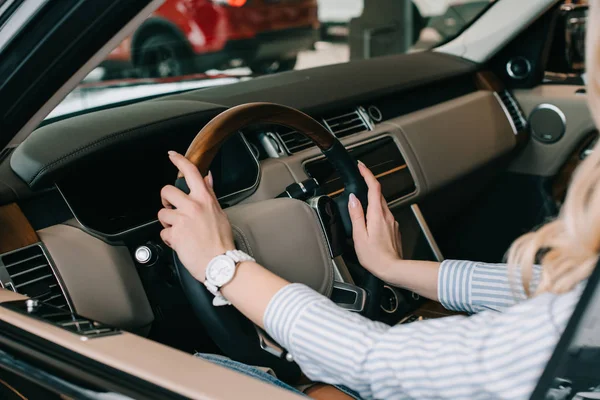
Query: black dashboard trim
{"x": 36, "y": 163}
{"x": 324, "y": 89}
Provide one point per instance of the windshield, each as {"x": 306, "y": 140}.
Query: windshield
{"x": 194, "y": 44}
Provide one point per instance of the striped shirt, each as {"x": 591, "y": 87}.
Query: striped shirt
{"x": 498, "y": 353}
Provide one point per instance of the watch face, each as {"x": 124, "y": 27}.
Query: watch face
{"x": 220, "y": 270}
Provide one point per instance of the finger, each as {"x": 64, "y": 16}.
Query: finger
{"x": 386, "y": 209}
{"x": 357, "y": 216}
{"x": 191, "y": 174}
{"x": 173, "y": 197}
{"x": 167, "y": 217}
{"x": 209, "y": 180}
{"x": 165, "y": 235}
{"x": 374, "y": 186}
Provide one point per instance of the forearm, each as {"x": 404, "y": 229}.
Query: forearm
{"x": 252, "y": 289}
{"x": 418, "y": 276}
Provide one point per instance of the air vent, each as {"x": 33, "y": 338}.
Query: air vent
{"x": 513, "y": 111}
{"x": 341, "y": 125}
{"x": 347, "y": 123}
{"x": 293, "y": 140}
{"x": 62, "y": 318}
{"x": 32, "y": 275}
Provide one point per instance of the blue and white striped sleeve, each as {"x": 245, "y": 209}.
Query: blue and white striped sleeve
{"x": 473, "y": 287}
{"x": 488, "y": 355}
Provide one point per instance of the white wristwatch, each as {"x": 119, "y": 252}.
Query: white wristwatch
{"x": 220, "y": 271}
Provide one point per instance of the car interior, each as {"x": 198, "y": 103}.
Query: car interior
{"x": 469, "y": 156}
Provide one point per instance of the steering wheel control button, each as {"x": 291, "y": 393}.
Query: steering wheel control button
{"x": 519, "y": 68}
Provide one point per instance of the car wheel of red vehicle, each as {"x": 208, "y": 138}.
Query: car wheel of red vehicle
{"x": 272, "y": 66}
{"x": 163, "y": 56}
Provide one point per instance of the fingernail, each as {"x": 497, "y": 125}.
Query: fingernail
{"x": 361, "y": 163}
{"x": 210, "y": 179}
{"x": 172, "y": 153}
{"x": 353, "y": 200}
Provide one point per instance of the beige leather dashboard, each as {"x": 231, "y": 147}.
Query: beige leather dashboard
{"x": 545, "y": 159}
{"x": 440, "y": 144}
{"x": 101, "y": 279}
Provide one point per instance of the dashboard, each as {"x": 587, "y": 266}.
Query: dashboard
{"x": 91, "y": 184}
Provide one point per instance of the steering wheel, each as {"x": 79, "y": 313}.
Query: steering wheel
{"x": 235, "y": 335}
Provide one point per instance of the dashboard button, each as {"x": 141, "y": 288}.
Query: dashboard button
{"x": 143, "y": 254}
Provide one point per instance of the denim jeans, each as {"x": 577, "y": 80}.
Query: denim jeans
{"x": 260, "y": 374}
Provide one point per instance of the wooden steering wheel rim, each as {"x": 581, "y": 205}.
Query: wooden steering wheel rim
{"x": 209, "y": 140}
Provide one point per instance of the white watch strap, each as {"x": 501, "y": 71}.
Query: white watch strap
{"x": 237, "y": 256}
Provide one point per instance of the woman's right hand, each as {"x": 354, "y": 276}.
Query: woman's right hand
{"x": 376, "y": 238}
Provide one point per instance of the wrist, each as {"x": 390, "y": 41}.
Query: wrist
{"x": 388, "y": 270}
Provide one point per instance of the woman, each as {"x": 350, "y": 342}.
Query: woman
{"x": 520, "y": 309}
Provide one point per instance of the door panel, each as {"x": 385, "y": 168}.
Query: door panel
{"x": 543, "y": 159}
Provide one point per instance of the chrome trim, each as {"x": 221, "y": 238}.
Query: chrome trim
{"x": 507, "y": 113}
{"x": 313, "y": 202}
{"x": 341, "y": 271}
{"x": 510, "y": 63}
{"x": 327, "y": 126}
{"x": 371, "y": 107}
{"x": 302, "y": 187}
{"x": 361, "y": 296}
{"x": 270, "y": 346}
{"x": 365, "y": 117}
{"x": 427, "y": 232}
{"x": 269, "y": 140}
{"x": 143, "y": 254}
{"x": 5, "y": 277}
{"x": 357, "y": 110}
{"x": 118, "y": 235}
{"x": 551, "y": 107}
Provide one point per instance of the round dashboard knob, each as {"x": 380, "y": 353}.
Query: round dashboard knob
{"x": 144, "y": 254}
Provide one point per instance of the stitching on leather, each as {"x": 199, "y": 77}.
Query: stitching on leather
{"x": 102, "y": 140}
{"x": 242, "y": 236}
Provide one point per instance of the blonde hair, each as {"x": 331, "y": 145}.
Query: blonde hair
{"x": 568, "y": 247}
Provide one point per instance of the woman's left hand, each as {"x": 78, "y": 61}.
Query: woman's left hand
{"x": 196, "y": 227}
